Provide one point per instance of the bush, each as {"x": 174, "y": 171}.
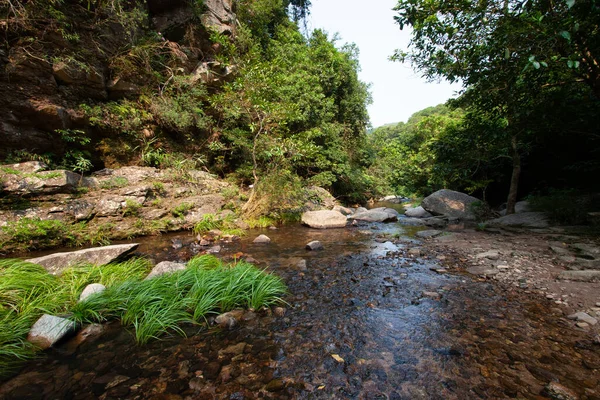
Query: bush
{"x": 564, "y": 207}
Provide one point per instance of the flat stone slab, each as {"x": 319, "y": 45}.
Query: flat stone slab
{"x": 376, "y": 215}
{"x": 48, "y": 330}
{"x": 324, "y": 219}
{"x": 417, "y": 212}
{"x": 525, "y": 219}
{"x": 583, "y": 317}
{"x": 56, "y": 262}
{"x": 580, "y": 276}
{"x": 428, "y": 234}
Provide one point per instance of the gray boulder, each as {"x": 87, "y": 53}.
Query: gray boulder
{"x": 165, "y": 267}
{"x": 451, "y": 204}
{"x": 48, "y": 330}
{"x": 376, "y": 215}
{"x": 343, "y": 210}
{"x": 56, "y": 262}
{"x": 324, "y": 219}
{"x": 91, "y": 289}
{"x": 525, "y": 220}
{"x": 417, "y": 212}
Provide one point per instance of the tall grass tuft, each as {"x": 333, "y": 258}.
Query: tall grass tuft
{"x": 161, "y": 304}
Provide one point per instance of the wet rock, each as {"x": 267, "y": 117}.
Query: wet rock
{"x": 165, "y": 267}
{"x": 580, "y": 276}
{"x": 314, "y": 245}
{"x": 262, "y": 239}
{"x": 583, "y": 317}
{"x": 324, "y": 219}
{"x": 233, "y": 350}
{"x": 56, "y": 262}
{"x": 490, "y": 255}
{"x": 376, "y": 215}
{"x": 415, "y": 252}
{"x": 275, "y": 385}
{"x": 48, "y": 330}
{"x": 428, "y": 234}
{"x": 229, "y": 319}
{"x": 450, "y": 203}
{"x": 556, "y": 391}
{"x": 91, "y": 289}
{"x": 214, "y": 250}
{"x": 411, "y": 221}
{"x": 176, "y": 244}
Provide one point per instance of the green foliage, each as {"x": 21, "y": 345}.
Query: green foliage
{"x": 163, "y": 303}
{"x": 132, "y": 208}
{"x": 27, "y": 291}
{"x": 564, "y": 207}
{"x": 225, "y": 224}
{"x": 114, "y": 182}
{"x": 181, "y": 209}
{"x": 261, "y": 222}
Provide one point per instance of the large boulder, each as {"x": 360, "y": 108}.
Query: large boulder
{"x": 451, "y": 204}
{"x": 324, "y": 219}
{"x": 376, "y": 215}
{"x": 56, "y": 262}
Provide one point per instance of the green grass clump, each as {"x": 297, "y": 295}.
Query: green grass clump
{"x": 161, "y": 304}
{"x": 261, "y": 222}
{"x": 181, "y": 210}
{"x": 114, "y": 182}
{"x": 27, "y": 291}
{"x": 225, "y": 224}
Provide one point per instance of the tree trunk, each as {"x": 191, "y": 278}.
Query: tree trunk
{"x": 514, "y": 180}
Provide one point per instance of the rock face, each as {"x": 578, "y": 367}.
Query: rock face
{"x": 56, "y": 262}
{"x": 324, "y": 219}
{"x": 417, "y": 212}
{"x": 165, "y": 267}
{"x": 525, "y": 220}
{"x": 48, "y": 330}
{"x": 376, "y": 215}
{"x": 44, "y": 182}
{"x": 451, "y": 204}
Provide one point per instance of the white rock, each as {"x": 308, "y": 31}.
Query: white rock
{"x": 262, "y": 239}
{"x": 165, "y": 267}
{"x": 91, "y": 289}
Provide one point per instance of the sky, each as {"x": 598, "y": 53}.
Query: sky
{"x": 398, "y": 91}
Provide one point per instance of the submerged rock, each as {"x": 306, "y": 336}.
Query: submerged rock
{"x": 262, "y": 239}
{"x": 324, "y": 219}
{"x": 48, "y": 330}
{"x": 56, "y": 262}
{"x": 314, "y": 245}
{"x": 450, "y": 203}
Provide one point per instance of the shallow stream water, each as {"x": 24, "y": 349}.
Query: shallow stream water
{"x": 364, "y": 321}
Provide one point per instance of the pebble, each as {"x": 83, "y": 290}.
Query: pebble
{"x": 582, "y": 325}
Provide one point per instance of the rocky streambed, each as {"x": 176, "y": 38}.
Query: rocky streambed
{"x": 376, "y": 314}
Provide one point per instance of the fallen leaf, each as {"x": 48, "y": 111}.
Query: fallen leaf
{"x": 337, "y": 358}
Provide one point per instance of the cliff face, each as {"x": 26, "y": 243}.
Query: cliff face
{"x": 58, "y": 56}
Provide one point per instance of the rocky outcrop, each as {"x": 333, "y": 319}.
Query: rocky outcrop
{"x": 56, "y": 262}
{"x": 324, "y": 219}
{"x": 44, "y": 182}
{"x": 451, "y": 204}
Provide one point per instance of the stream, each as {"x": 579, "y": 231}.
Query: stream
{"x": 364, "y": 321}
